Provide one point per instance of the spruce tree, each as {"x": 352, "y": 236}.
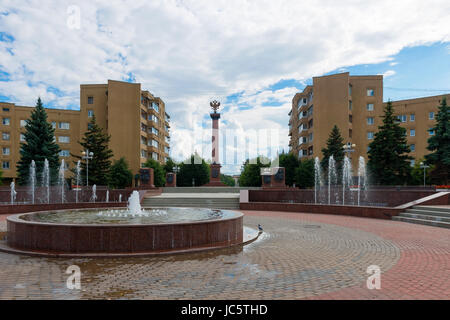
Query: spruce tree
{"x": 439, "y": 143}
{"x": 389, "y": 162}
{"x": 120, "y": 175}
{"x": 335, "y": 148}
{"x": 96, "y": 141}
{"x": 39, "y": 145}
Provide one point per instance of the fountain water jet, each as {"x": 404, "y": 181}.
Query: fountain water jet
{"x": 32, "y": 180}
{"x": 332, "y": 176}
{"x": 13, "y": 192}
{"x": 362, "y": 177}
{"x": 346, "y": 176}
{"x": 317, "y": 179}
{"x": 78, "y": 170}
{"x": 61, "y": 179}
{"x": 94, "y": 193}
{"x": 46, "y": 180}
{"x": 107, "y": 196}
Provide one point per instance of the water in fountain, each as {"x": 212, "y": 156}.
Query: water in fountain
{"x": 107, "y": 196}
{"x": 347, "y": 176}
{"x": 32, "y": 179}
{"x": 61, "y": 179}
{"x": 120, "y": 197}
{"x": 46, "y": 180}
{"x": 13, "y": 192}
{"x": 332, "y": 177}
{"x": 362, "y": 178}
{"x": 94, "y": 193}
{"x": 317, "y": 178}
{"x": 78, "y": 170}
{"x": 134, "y": 205}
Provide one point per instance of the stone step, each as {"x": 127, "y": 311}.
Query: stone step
{"x": 423, "y": 221}
{"x": 428, "y": 212}
{"x": 433, "y": 208}
{"x": 425, "y": 217}
{"x": 206, "y": 189}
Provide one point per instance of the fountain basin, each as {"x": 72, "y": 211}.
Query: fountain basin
{"x": 29, "y": 233}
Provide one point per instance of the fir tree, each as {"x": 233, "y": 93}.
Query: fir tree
{"x": 335, "y": 148}
{"x": 120, "y": 175}
{"x": 389, "y": 162}
{"x": 439, "y": 143}
{"x": 39, "y": 145}
{"x": 290, "y": 162}
{"x": 96, "y": 141}
{"x": 159, "y": 175}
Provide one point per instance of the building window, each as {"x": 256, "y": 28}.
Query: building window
{"x": 5, "y": 109}
{"x": 413, "y": 147}
{"x": 350, "y": 118}
{"x": 431, "y": 115}
{"x": 64, "y": 125}
{"x": 153, "y": 118}
{"x": 431, "y": 131}
{"x": 155, "y": 131}
{"x": 64, "y": 153}
{"x": 143, "y": 140}
{"x": 369, "y": 107}
{"x": 5, "y": 164}
{"x": 166, "y": 149}
{"x": 413, "y": 163}
{"x": 412, "y": 117}
{"x": 53, "y": 124}
{"x": 412, "y": 132}
{"x": 350, "y": 105}
{"x": 23, "y": 123}
{"x": 63, "y": 139}
{"x": 155, "y": 143}
{"x": 90, "y": 113}
{"x": 310, "y": 137}
{"x": 6, "y": 136}
{"x": 154, "y": 156}
{"x": 90, "y": 100}
{"x": 401, "y": 118}
{"x": 22, "y": 137}
{"x": 6, "y": 151}
{"x": 370, "y": 135}
{"x": 370, "y": 92}
{"x": 6, "y": 121}
{"x": 368, "y": 149}
{"x": 350, "y": 89}
{"x": 370, "y": 120}
{"x": 350, "y": 133}
{"x": 144, "y": 153}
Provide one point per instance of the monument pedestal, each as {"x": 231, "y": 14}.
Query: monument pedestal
{"x": 146, "y": 178}
{"x": 171, "y": 179}
{"x": 273, "y": 178}
{"x": 214, "y": 177}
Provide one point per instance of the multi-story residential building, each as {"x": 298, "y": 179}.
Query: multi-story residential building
{"x": 136, "y": 121}
{"x": 355, "y": 105}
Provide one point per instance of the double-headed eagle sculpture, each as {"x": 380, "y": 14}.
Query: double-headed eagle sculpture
{"x": 214, "y": 105}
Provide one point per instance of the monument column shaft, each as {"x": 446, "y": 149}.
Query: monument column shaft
{"x": 215, "y": 137}
{"x": 215, "y": 141}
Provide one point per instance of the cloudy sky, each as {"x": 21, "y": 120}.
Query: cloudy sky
{"x": 253, "y": 56}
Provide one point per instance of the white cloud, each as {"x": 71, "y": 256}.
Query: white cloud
{"x": 189, "y": 52}
{"x": 388, "y": 73}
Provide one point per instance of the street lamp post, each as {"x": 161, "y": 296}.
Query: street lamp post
{"x": 349, "y": 148}
{"x": 424, "y": 166}
{"x": 87, "y": 156}
{"x": 176, "y": 169}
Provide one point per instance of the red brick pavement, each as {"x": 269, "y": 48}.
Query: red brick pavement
{"x": 422, "y": 272}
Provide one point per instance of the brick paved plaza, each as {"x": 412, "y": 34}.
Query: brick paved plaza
{"x": 299, "y": 256}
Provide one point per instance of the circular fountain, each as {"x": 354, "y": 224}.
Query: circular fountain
{"x": 124, "y": 231}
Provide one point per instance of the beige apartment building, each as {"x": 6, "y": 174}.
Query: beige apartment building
{"x": 136, "y": 121}
{"x": 355, "y": 105}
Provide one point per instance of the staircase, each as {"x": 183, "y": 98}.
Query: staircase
{"x": 428, "y": 215}
{"x": 212, "y": 200}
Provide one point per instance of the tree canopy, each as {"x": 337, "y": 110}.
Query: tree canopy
{"x": 39, "y": 145}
